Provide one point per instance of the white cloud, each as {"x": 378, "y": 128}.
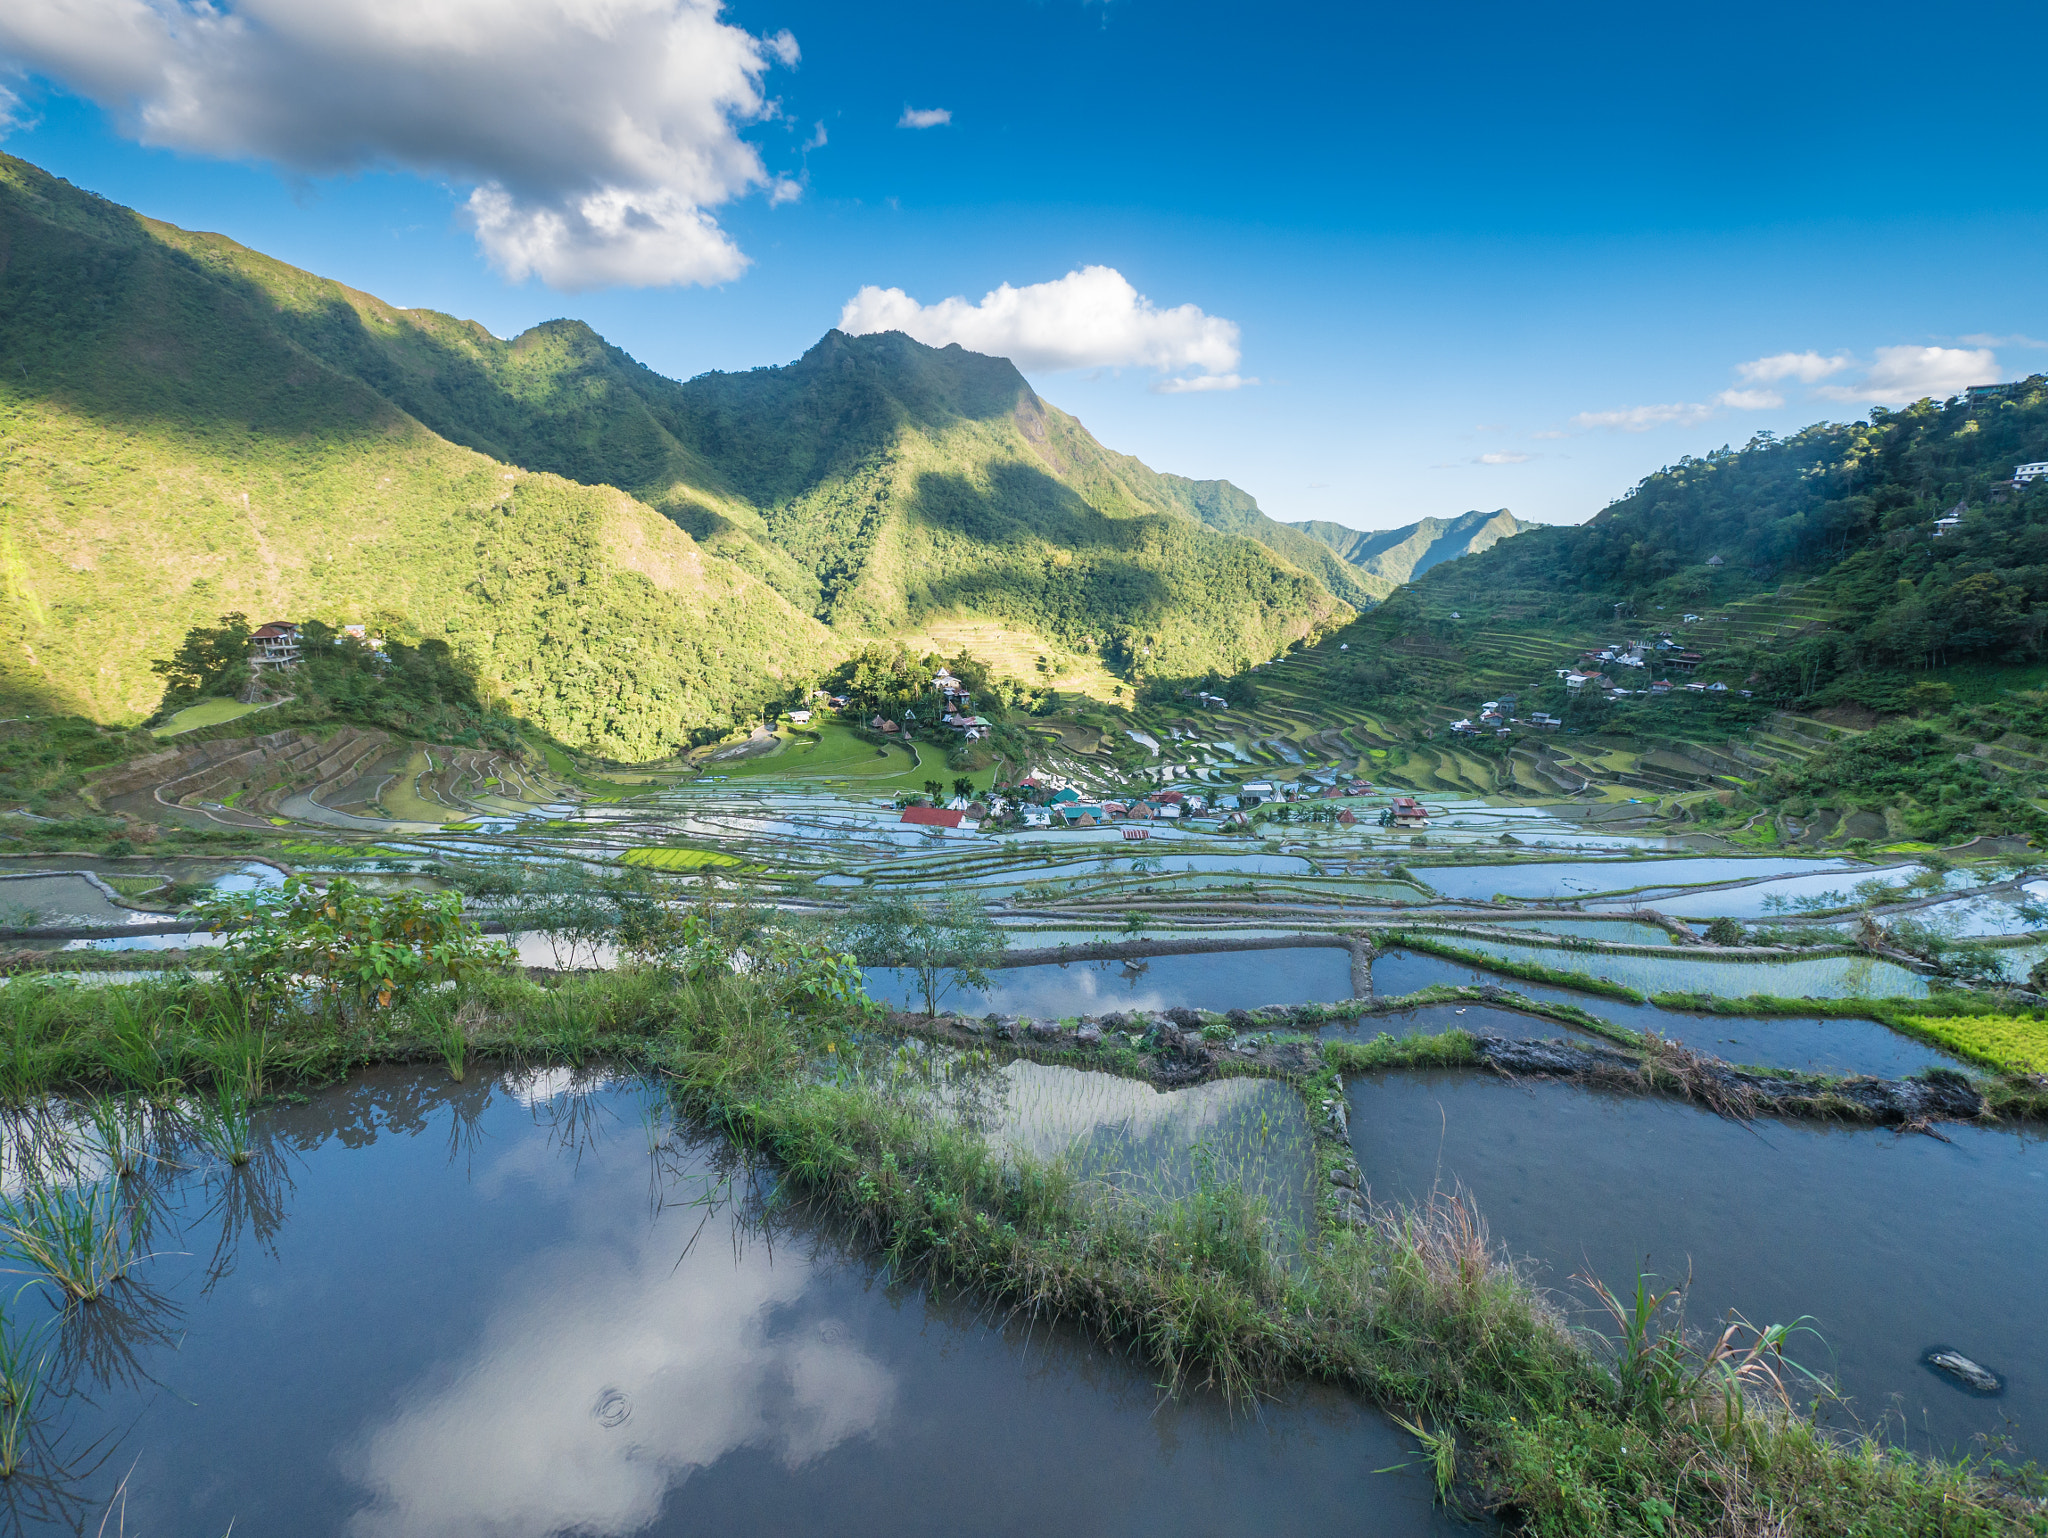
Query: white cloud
{"x": 925, "y": 117}
{"x": 1640, "y": 419}
{"x": 1750, "y": 400}
{"x": 596, "y": 133}
{"x": 1902, "y": 375}
{"x": 1196, "y": 383}
{"x": 1501, "y": 457}
{"x": 1091, "y": 318}
{"x": 1806, "y": 367}
{"x": 2016, "y": 339}
{"x": 1551, "y": 432}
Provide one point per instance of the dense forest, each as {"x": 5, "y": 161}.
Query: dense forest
{"x": 1849, "y": 509}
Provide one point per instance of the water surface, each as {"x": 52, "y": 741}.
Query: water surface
{"x": 1893, "y": 1244}
{"x": 498, "y": 1308}
{"x": 1220, "y": 980}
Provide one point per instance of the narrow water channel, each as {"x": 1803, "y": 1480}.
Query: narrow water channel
{"x": 1893, "y": 1244}
{"x": 524, "y": 1307}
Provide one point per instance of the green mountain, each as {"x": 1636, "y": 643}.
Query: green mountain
{"x": 1821, "y": 573}
{"x": 191, "y": 428}
{"x": 1386, "y": 558}
{"x": 876, "y": 483}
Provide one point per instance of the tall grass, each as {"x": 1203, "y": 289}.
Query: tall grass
{"x": 82, "y": 1237}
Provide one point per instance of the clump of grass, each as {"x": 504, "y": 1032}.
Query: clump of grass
{"x": 82, "y": 1238}
{"x": 223, "y": 1120}
{"x": 1446, "y": 1049}
{"x": 121, "y": 1132}
{"x": 22, "y": 1364}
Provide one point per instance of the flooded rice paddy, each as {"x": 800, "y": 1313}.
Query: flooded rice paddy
{"x": 1578, "y": 878}
{"x": 1218, "y": 980}
{"x": 1694, "y": 971}
{"x": 531, "y": 1306}
{"x": 1159, "y": 1147}
{"x": 1893, "y": 1245}
{"x": 1816, "y": 1044}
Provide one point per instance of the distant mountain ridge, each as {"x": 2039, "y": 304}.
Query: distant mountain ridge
{"x": 1388, "y": 558}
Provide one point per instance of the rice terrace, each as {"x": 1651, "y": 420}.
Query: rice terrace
{"x": 594, "y": 947}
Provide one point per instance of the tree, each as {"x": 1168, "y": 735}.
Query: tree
{"x": 963, "y": 785}
{"x": 213, "y": 659}
{"x": 935, "y": 789}
{"x": 944, "y": 942}
{"x": 355, "y": 949}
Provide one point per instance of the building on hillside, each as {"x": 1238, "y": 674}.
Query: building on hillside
{"x": 1406, "y": 812}
{"x": 800, "y": 717}
{"x": 931, "y": 817}
{"x": 2022, "y": 474}
{"x": 1986, "y": 394}
{"x": 1661, "y": 686}
{"x": 1715, "y": 560}
{"x": 1347, "y": 817}
{"x": 1951, "y": 520}
{"x": 275, "y": 645}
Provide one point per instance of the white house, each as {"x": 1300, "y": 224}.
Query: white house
{"x": 799, "y": 716}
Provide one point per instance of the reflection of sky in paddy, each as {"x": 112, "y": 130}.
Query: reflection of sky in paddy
{"x": 488, "y": 1308}
{"x": 1571, "y": 878}
{"x": 1220, "y": 980}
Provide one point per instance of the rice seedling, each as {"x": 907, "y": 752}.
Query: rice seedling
{"x": 82, "y": 1238}
{"x": 21, "y": 1378}
{"x": 224, "y": 1122}
{"x": 455, "y": 1032}
{"x": 120, "y": 1131}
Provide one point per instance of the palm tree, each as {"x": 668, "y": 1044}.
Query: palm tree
{"x": 963, "y": 785}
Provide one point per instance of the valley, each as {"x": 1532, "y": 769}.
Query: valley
{"x": 1014, "y": 876}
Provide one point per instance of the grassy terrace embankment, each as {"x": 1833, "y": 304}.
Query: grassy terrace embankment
{"x": 1413, "y": 1309}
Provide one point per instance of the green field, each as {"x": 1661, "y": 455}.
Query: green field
{"x": 677, "y": 859}
{"x": 206, "y": 713}
{"x": 833, "y": 752}
{"x": 2013, "y": 1042}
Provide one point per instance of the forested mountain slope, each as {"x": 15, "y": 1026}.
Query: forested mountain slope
{"x": 1826, "y": 538}
{"x": 1390, "y": 557}
{"x": 169, "y": 451}
{"x": 874, "y": 482}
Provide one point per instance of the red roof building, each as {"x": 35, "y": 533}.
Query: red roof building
{"x": 932, "y": 817}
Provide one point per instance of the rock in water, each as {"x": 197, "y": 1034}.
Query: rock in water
{"x": 1965, "y": 1371}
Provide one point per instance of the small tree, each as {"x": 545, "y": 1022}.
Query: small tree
{"x": 212, "y": 658}
{"x": 935, "y": 789}
{"x": 963, "y": 785}
{"x": 1725, "y": 931}
{"x": 356, "y": 949}
{"x": 945, "y": 942}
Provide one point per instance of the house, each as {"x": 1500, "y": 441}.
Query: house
{"x": 1065, "y": 796}
{"x": 1951, "y": 520}
{"x": 930, "y": 817}
{"x": 1346, "y": 818}
{"x": 1715, "y": 560}
{"x": 1331, "y": 792}
{"x": 973, "y": 812}
{"x": 1035, "y": 816}
{"x": 1167, "y": 812}
{"x": 1696, "y": 688}
{"x": 1141, "y": 811}
{"x": 1407, "y": 812}
{"x": 800, "y": 717}
{"x": 1661, "y": 686}
{"x": 1136, "y": 833}
{"x": 1686, "y": 661}
{"x": 1115, "y": 809}
{"x": 1717, "y": 688}
{"x": 1463, "y": 727}
{"x": 1343, "y": 646}
{"x": 275, "y": 645}
{"x": 1360, "y": 788}
{"x": 1256, "y": 788}
{"x": 2021, "y": 474}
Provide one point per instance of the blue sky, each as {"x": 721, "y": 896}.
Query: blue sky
{"x": 1433, "y": 258}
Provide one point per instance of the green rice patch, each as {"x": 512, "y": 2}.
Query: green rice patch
{"x": 678, "y": 859}
{"x": 2010, "y": 1041}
